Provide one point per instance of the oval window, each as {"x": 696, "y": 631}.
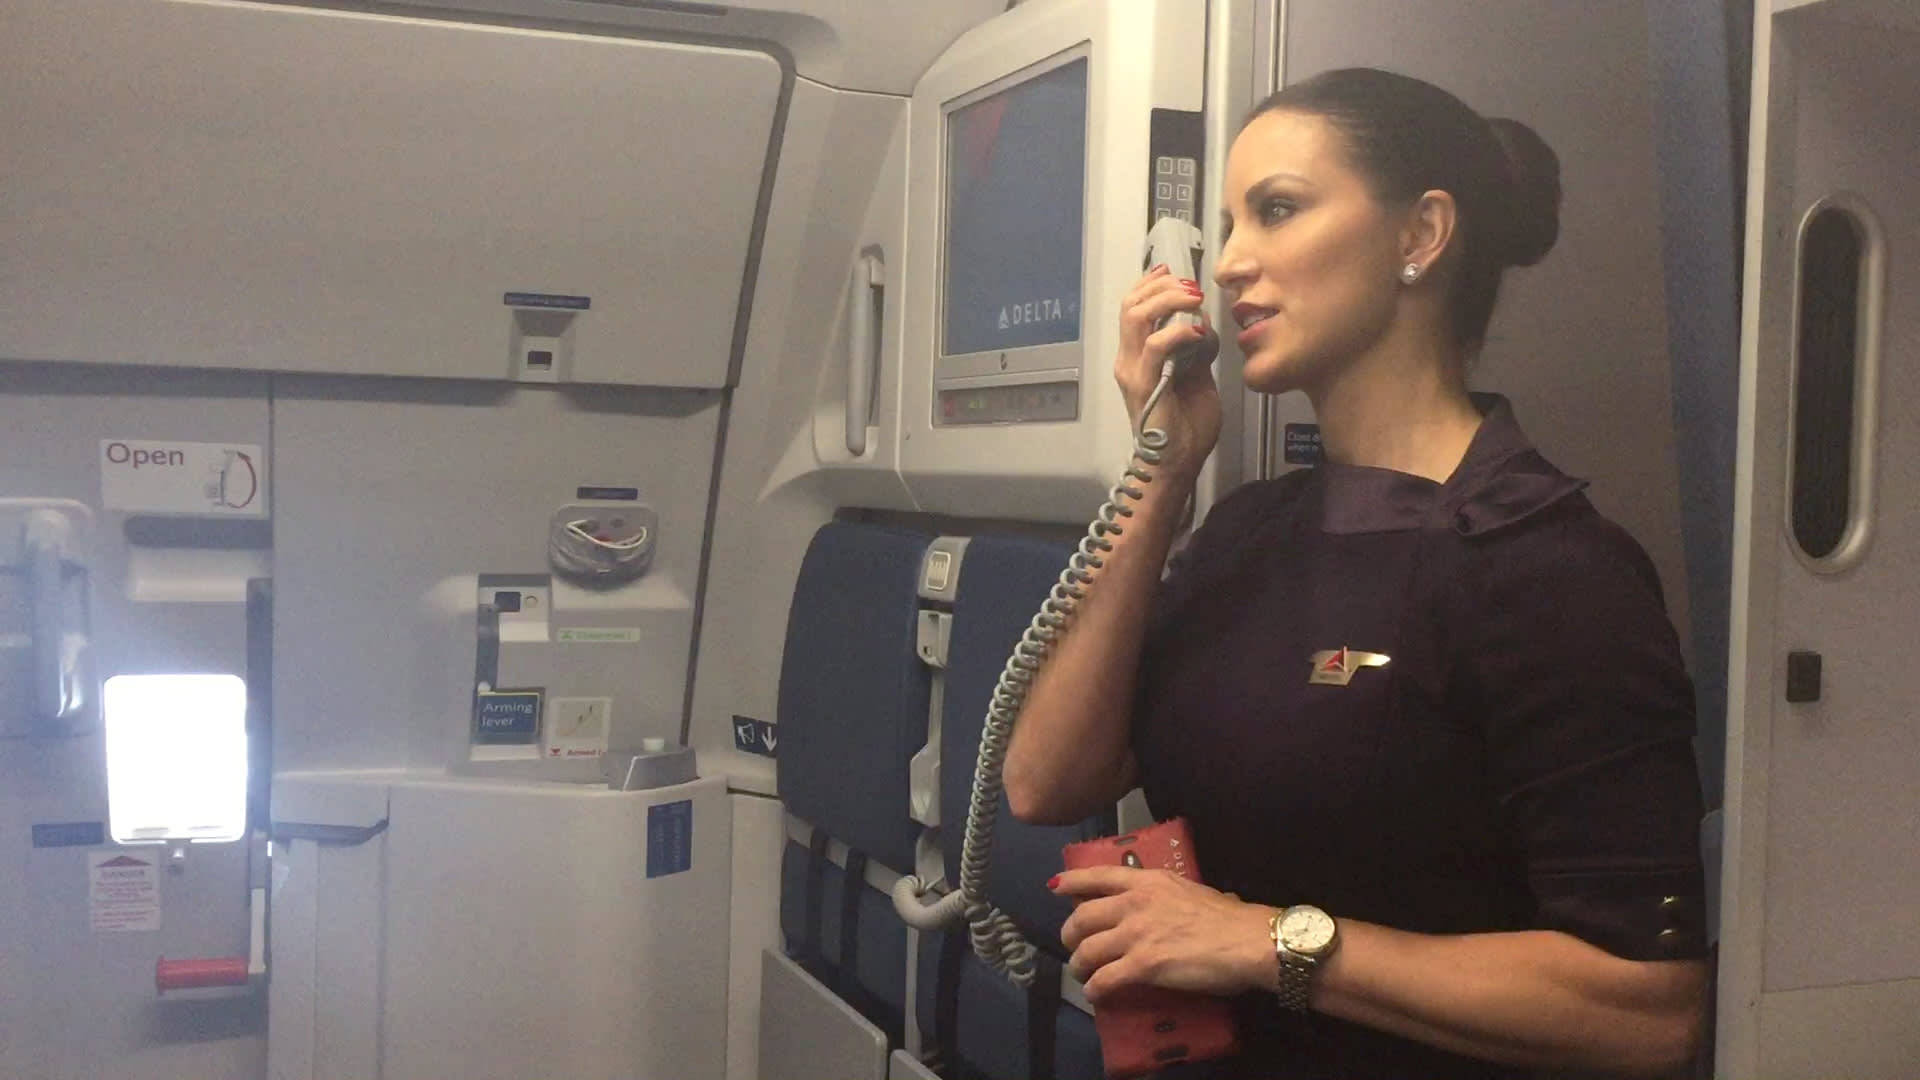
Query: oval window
{"x": 1831, "y": 337}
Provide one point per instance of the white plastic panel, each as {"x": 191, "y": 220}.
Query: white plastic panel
{"x": 325, "y": 922}
{"x": 871, "y": 476}
{"x": 391, "y": 499}
{"x": 1844, "y": 801}
{"x": 902, "y": 1066}
{"x": 1865, "y": 1030}
{"x": 532, "y": 933}
{"x": 1143, "y": 55}
{"x": 759, "y": 835}
{"x": 281, "y": 188}
{"x": 1820, "y": 959}
{"x": 807, "y": 1033}
{"x": 781, "y": 479}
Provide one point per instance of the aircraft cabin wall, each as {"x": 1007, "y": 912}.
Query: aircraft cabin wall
{"x": 786, "y": 470}
{"x": 76, "y": 983}
{"x": 469, "y": 265}
{"x": 1579, "y": 342}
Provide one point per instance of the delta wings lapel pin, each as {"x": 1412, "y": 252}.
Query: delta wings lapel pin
{"x": 1335, "y": 667}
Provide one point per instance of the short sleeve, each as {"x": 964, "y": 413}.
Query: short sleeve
{"x": 1572, "y": 668}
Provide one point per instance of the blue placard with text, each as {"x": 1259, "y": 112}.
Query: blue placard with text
{"x": 1303, "y": 445}
{"x": 669, "y": 838}
{"x": 507, "y": 716}
{"x": 70, "y": 834}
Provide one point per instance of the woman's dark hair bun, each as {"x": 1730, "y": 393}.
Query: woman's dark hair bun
{"x": 1531, "y": 221}
{"x": 1406, "y": 137}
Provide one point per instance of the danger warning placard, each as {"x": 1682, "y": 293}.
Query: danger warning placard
{"x": 123, "y": 890}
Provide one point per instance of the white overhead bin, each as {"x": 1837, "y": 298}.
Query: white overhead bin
{"x": 271, "y": 187}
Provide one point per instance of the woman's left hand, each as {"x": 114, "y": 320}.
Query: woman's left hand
{"x": 1136, "y": 927}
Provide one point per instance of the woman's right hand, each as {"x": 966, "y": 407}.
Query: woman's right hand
{"x": 1189, "y": 412}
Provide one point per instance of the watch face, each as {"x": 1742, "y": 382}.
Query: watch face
{"x": 1306, "y": 930}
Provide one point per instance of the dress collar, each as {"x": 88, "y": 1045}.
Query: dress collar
{"x": 1499, "y": 481}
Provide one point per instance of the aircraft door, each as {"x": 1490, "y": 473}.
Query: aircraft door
{"x": 1821, "y": 800}
{"x": 123, "y": 718}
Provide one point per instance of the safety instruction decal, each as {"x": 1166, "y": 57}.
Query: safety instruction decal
{"x": 123, "y": 890}
{"x": 144, "y": 476}
{"x": 577, "y": 727}
{"x": 752, "y": 736}
{"x": 669, "y": 838}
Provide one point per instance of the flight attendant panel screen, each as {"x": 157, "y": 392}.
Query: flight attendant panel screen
{"x": 1015, "y": 205}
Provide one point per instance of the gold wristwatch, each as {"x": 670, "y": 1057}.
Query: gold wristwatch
{"x": 1304, "y": 937}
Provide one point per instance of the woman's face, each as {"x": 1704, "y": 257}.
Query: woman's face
{"x": 1311, "y": 260}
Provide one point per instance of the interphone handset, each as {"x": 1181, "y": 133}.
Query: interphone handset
{"x": 995, "y": 938}
{"x": 1177, "y": 245}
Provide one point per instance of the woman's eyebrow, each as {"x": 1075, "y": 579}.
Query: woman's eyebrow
{"x": 1280, "y": 179}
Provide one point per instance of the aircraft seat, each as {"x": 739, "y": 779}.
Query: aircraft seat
{"x": 988, "y": 1027}
{"x": 853, "y": 708}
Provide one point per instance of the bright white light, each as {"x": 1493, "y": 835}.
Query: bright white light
{"x": 176, "y": 757}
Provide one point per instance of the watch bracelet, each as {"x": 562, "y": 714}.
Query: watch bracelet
{"x": 1293, "y": 975}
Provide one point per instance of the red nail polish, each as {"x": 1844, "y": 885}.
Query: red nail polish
{"x": 1053, "y": 882}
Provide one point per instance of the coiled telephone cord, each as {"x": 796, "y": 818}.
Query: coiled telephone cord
{"x": 996, "y": 940}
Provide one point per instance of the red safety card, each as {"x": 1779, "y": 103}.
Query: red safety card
{"x": 1152, "y": 1028}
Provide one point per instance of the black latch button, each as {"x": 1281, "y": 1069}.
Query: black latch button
{"x": 1803, "y": 677}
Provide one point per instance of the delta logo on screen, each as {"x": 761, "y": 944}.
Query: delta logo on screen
{"x": 1036, "y": 311}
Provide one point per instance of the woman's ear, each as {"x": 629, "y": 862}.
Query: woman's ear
{"x": 1429, "y": 229}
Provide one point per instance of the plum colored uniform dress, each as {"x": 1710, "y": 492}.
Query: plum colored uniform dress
{"x": 1521, "y": 758}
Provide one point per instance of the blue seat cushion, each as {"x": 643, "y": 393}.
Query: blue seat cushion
{"x": 853, "y": 691}
{"x": 1002, "y": 583}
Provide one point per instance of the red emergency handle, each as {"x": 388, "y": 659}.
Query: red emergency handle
{"x": 200, "y": 973}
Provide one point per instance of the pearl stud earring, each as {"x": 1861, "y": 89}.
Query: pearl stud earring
{"x": 1410, "y": 273}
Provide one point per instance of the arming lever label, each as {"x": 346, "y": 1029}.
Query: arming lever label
{"x": 145, "y": 476}
{"x": 507, "y": 717}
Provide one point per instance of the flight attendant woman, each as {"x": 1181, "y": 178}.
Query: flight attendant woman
{"x": 1422, "y": 704}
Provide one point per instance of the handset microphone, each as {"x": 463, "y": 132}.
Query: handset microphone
{"x": 1177, "y": 245}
